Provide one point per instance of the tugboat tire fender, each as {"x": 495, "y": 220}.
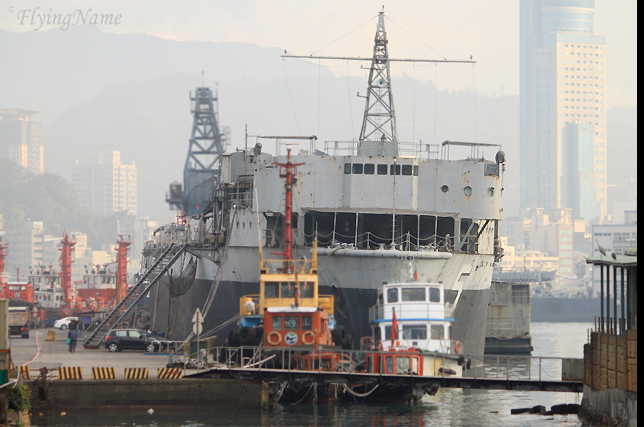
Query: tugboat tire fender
{"x": 274, "y": 338}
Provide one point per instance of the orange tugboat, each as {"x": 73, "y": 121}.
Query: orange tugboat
{"x": 288, "y": 312}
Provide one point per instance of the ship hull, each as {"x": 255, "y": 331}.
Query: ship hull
{"x": 352, "y": 279}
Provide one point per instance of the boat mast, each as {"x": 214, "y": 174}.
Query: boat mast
{"x": 289, "y": 168}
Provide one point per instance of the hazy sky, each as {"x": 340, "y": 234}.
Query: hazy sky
{"x": 429, "y": 29}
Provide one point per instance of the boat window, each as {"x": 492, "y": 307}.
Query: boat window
{"x": 347, "y": 168}
{"x": 378, "y": 335}
{"x": 387, "y": 333}
{"x": 369, "y": 168}
{"x": 413, "y": 294}
{"x": 406, "y": 170}
{"x": 434, "y": 295}
{"x": 389, "y": 360}
{"x": 415, "y": 170}
{"x": 291, "y": 323}
{"x": 382, "y": 169}
{"x": 277, "y": 323}
{"x": 414, "y": 332}
{"x": 357, "y": 168}
{"x": 307, "y": 323}
{"x": 306, "y": 290}
{"x": 438, "y": 332}
{"x": 414, "y": 365}
{"x": 392, "y": 295}
{"x": 286, "y": 290}
{"x": 402, "y": 365}
{"x": 270, "y": 289}
{"x": 391, "y": 169}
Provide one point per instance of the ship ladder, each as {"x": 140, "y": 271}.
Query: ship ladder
{"x": 134, "y": 295}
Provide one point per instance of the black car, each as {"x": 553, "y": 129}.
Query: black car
{"x": 136, "y": 339}
{"x": 129, "y": 339}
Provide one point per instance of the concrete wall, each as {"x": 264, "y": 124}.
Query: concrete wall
{"x": 610, "y": 361}
{"x": 610, "y": 378}
{"x": 83, "y": 394}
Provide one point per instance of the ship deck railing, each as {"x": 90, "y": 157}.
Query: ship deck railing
{"x": 507, "y": 368}
{"x": 420, "y": 150}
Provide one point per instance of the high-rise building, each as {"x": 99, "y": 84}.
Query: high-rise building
{"x": 104, "y": 185}
{"x": 563, "y": 108}
{"x": 21, "y": 139}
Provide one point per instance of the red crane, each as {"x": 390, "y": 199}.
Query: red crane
{"x": 66, "y": 275}
{"x": 3, "y": 254}
{"x": 121, "y": 267}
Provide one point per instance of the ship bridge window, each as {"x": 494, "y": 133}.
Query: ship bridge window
{"x": 414, "y": 332}
{"x": 287, "y": 290}
{"x": 391, "y": 169}
{"x": 357, "y": 168}
{"x": 392, "y": 295}
{"x": 382, "y": 169}
{"x": 369, "y": 168}
{"x": 437, "y": 332}
{"x": 277, "y": 323}
{"x": 270, "y": 289}
{"x": 306, "y": 290}
{"x": 406, "y": 170}
{"x": 291, "y": 323}
{"x": 307, "y": 323}
{"x": 434, "y": 295}
{"x": 347, "y": 168}
{"x": 413, "y": 294}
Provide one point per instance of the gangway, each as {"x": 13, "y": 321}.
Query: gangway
{"x": 138, "y": 291}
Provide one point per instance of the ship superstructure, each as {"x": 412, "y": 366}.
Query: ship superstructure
{"x": 373, "y": 205}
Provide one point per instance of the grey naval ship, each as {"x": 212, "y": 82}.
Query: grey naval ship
{"x": 382, "y": 211}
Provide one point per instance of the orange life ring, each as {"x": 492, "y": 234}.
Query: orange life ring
{"x": 275, "y": 341}
{"x": 367, "y": 343}
{"x": 457, "y": 347}
{"x": 308, "y": 334}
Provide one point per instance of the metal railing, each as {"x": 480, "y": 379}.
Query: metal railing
{"x": 531, "y": 368}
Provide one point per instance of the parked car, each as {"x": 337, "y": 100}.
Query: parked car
{"x": 63, "y": 323}
{"x": 134, "y": 339}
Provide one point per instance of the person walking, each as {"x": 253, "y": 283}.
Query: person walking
{"x": 72, "y": 335}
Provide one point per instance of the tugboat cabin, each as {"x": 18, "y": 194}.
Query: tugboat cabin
{"x": 417, "y": 311}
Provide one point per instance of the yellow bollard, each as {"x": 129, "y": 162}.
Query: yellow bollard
{"x": 51, "y": 336}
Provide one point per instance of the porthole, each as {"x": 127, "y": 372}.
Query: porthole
{"x": 445, "y": 188}
{"x": 468, "y": 191}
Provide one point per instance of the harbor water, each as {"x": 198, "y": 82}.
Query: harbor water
{"x": 449, "y": 407}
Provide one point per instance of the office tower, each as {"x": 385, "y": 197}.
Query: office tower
{"x": 104, "y": 185}
{"x": 563, "y": 108}
{"x": 21, "y": 139}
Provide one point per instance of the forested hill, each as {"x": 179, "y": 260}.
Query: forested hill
{"x": 26, "y": 197}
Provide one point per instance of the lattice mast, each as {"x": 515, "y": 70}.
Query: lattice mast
{"x": 202, "y": 169}
{"x": 379, "y": 121}
{"x": 121, "y": 267}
